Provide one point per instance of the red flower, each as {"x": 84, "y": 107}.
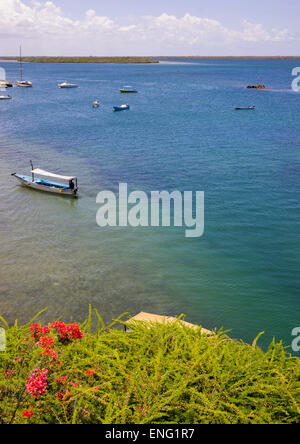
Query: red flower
{"x": 38, "y": 331}
{"x": 49, "y": 352}
{"x": 45, "y": 342}
{"x": 57, "y": 325}
{"x": 37, "y": 383}
{"x": 60, "y": 395}
{"x": 67, "y": 332}
{"x": 75, "y": 331}
{"x": 91, "y": 371}
{"x": 27, "y": 414}
{"x": 9, "y": 373}
{"x": 64, "y": 396}
{"x": 60, "y": 379}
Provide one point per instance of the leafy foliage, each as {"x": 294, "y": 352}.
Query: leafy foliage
{"x": 154, "y": 373}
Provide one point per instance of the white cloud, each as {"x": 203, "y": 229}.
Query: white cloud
{"x": 256, "y": 33}
{"x": 46, "y": 28}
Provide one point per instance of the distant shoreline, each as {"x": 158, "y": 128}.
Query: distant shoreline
{"x": 138, "y": 60}
{"x": 99, "y": 60}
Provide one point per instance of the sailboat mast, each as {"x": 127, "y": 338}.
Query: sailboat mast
{"x": 21, "y": 66}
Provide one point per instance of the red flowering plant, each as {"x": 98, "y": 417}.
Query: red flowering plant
{"x": 28, "y": 413}
{"x": 38, "y": 331}
{"x": 31, "y": 374}
{"x": 54, "y": 374}
{"x": 67, "y": 333}
{"x": 45, "y": 342}
{"x": 37, "y": 383}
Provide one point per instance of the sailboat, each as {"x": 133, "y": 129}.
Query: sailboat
{"x": 23, "y": 83}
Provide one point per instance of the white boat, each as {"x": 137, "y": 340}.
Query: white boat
{"x": 23, "y": 83}
{"x": 96, "y": 104}
{"x": 5, "y": 97}
{"x": 67, "y": 85}
{"x": 121, "y": 107}
{"x": 63, "y": 189}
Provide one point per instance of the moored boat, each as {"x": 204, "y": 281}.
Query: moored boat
{"x": 121, "y": 108}
{"x": 67, "y": 85}
{"x": 128, "y": 90}
{"x": 64, "y": 189}
{"x": 248, "y": 108}
{"x": 5, "y": 97}
{"x": 258, "y": 86}
{"x": 23, "y": 83}
{"x": 5, "y": 84}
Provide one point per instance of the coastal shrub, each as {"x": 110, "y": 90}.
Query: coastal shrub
{"x": 154, "y": 373}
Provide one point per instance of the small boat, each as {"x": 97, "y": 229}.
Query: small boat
{"x": 248, "y": 108}
{"x": 4, "y": 84}
{"x": 23, "y": 83}
{"x": 70, "y": 189}
{"x": 5, "y": 97}
{"x": 96, "y": 104}
{"x": 121, "y": 108}
{"x": 258, "y": 86}
{"x": 128, "y": 90}
{"x": 67, "y": 85}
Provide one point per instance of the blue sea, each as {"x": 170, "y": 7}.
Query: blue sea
{"x": 181, "y": 133}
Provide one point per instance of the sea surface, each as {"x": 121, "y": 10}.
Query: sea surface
{"x": 181, "y": 133}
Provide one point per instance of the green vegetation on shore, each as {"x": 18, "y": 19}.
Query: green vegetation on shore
{"x": 137, "y": 60}
{"x": 159, "y": 373}
{"x": 119, "y": 60}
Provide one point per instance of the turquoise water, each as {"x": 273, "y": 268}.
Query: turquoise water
{"x": 181, "y": 133}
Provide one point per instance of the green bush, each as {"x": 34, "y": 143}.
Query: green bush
{"x": 157, "y": 373}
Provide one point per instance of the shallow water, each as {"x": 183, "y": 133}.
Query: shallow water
{"x": 181, "y": 133}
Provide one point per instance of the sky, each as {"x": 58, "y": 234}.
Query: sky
{"x": 150, "y": 27}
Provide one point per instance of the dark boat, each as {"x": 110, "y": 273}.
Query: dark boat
{"x": 258, "y": 86}
{"x": 128, "y": 90}
{"x": 248, "y": 108}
